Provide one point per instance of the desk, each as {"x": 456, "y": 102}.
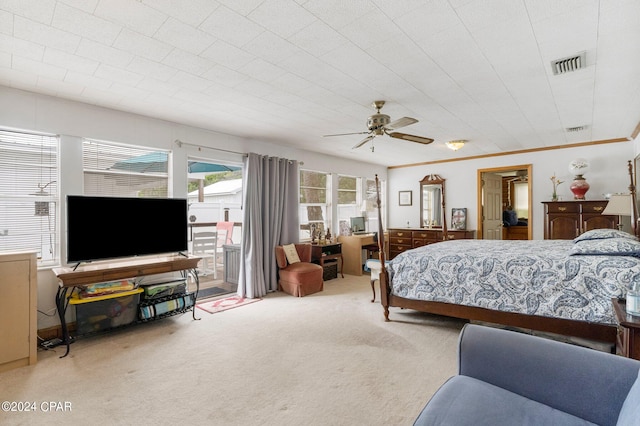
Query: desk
{"x": 322, "y": 253}
{"x": 352, "y": 251}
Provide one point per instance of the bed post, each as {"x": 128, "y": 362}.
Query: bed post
{"x": 384, "y": 276}
{"x": 634, "y": 205}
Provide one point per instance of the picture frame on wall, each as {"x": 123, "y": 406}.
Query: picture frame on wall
{"x": 405, "y": 198}
{"x": 459, "y": 218}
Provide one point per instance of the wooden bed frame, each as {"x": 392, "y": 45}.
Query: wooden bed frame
{"x": 583, "y": 329}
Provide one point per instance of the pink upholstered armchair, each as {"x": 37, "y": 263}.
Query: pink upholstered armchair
{"x": 300, "y": 278}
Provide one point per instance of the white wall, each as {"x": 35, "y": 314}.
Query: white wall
{"x": 74, "y": 120}
{"x": 608, "y": 174}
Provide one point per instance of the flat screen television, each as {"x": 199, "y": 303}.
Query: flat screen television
{"x": 113, "y": 227}
{"x": 357, "y": 224}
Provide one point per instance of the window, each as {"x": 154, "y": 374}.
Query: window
{"x": 29, "y": 194}
{"x": 348, "y": 200}
{"x": 118, "y": 170}
{"x": 521, "y": 205}
{"x": 371, "y": 203}
{"x": 314, "y": 203}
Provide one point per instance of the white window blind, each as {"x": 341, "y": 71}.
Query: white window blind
{"x": 29, "y": 194}
{"x": 118, "y": 170}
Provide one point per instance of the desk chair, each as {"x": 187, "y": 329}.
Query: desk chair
{"x": 205, "y": 244}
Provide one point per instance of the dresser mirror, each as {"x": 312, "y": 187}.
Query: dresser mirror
{"x": 432, "y": 202}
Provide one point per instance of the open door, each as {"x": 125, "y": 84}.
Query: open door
{"x": 492, "y": 206}
{"x": 498, "y": 189}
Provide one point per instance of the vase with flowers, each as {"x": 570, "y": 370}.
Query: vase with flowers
{"x": 555, "y": 181}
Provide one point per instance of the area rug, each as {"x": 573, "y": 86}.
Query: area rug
{"x": 212, "y": 291}
{"x": 227, "y": 303}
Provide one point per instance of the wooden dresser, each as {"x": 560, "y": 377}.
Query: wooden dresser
{"x": 565, "y": 220}
{"x": 401, "y": 239}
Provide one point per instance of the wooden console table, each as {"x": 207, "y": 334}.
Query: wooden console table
{"x": 69, "y": 279}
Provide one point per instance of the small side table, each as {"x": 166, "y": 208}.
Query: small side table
{"x": 322, "y": 253}
{"x": 628, "y": 338}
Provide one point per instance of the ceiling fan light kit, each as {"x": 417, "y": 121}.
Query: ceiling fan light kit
{"x": 380, "y": 124}
{"x": 456, "y": 145}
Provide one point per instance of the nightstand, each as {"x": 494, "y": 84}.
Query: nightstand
{"x": 628, "y": 338}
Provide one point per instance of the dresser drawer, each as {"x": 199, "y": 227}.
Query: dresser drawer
{"x": 399, "y": 233}
{"x": 461, "y": 235}
{"x": 403, "y": 241}
{"x": 597, "y": 208}
{"x": 395, "y": 248}
{"x": 426, "y": 235}
{"x": 567, "y": 207}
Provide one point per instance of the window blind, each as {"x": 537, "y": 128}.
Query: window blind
{"x": 118, "y": 170}
{"x": 29, "y": 194}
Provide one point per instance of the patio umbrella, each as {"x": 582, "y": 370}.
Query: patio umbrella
{"x": 147, "y": 163}
{"x": 202, "y": 167}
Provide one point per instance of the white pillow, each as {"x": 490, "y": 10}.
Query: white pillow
{"x": 291, "y": 253}
{"x": 607, "y": 246}
{"x": 601, "y": 234}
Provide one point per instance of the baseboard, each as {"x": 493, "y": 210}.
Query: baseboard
{"x": 55, "y": 331}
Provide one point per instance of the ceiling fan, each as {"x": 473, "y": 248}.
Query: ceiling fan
{"x": 520, "y": 176}
{"x": 381, "y": 124}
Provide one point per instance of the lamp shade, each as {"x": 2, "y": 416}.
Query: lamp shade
{"x": 619, "y": 204}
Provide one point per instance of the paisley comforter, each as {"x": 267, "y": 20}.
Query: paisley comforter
{"x": 537, "y": 277}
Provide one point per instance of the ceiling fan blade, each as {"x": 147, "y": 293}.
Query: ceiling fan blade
{"x": 412, "y": 138}
{"x": 346, "y": 134}
{"x": 401, "y": 122}
{"x": 363, "y": 141}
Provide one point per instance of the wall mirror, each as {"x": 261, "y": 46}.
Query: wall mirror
{"x": 432, "y": 207}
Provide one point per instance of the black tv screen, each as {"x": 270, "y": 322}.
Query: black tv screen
{"x": 112, "y": 227}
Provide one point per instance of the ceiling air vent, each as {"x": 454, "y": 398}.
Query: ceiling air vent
{"x": 575, "y": 129}
{"x": 573, "y": 63}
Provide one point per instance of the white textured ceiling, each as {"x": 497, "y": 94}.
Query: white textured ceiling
{"x": 291, "y": 71}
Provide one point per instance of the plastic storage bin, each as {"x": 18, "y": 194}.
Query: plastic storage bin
{"x": 106, "y": 313}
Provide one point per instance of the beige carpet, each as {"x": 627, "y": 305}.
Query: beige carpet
{"x": 324, "y": 359}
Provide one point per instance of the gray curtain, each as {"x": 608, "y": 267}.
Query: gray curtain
{"x": 270, "y": 218}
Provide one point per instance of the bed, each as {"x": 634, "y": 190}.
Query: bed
{"x": 557, "y": 286}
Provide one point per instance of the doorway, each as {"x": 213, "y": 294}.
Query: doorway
{"x": 504, "y": 203}
{"x": 215, "y": 223}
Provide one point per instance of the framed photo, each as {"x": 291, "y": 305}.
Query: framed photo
{"x": 459, "y": 218}
{"x": 404, "y": 198}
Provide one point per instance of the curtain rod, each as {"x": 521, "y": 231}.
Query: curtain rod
{"x": 180, "y": 143}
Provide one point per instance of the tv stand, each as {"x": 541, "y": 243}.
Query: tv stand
{"x": 71, "y": 279}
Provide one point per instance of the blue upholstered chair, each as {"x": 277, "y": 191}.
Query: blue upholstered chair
{"x": 510, "y": 378}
